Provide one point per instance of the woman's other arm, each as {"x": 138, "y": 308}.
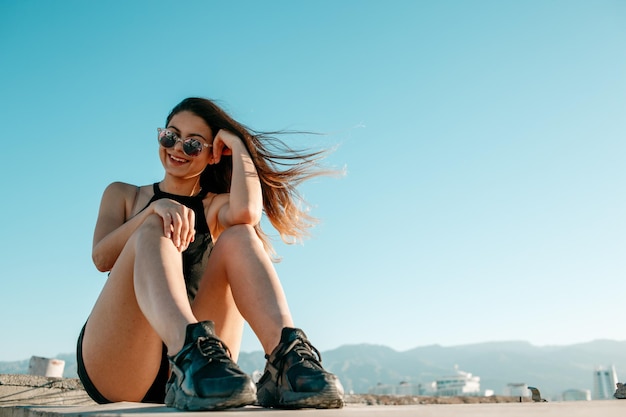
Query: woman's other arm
{"x": 112, "y": 228}
{"x": 245, "y": 201}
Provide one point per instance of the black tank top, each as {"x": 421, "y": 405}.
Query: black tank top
{"x": 195, "y": 257}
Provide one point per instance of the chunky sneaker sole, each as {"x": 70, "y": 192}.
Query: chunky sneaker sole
{"x": 176, "y": 397}
{"x": 330, "y": 397}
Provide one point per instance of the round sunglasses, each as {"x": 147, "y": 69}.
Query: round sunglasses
{"x": 191, "y": 147}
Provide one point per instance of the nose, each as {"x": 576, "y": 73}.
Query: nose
{"x": 179, "y": 145}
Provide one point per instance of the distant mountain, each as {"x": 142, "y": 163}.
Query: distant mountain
{"x": 553, "y": 369}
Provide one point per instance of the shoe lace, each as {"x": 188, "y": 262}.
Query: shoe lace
{"x": 276, "y": 362}
{"x": 305, "y": 350}
{"x": 213, "y": 349}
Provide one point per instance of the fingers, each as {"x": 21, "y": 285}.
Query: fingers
{"x": 179, "y": 225}
{"x": 167, "y": 225}
{"x": 183, "y": 230}
{"x": 218, "y": 144}
{"x": 222, "y": 144}
{"x": 185, "y": 233}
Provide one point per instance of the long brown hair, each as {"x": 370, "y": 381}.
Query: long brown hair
{"x": 280, "y": 168}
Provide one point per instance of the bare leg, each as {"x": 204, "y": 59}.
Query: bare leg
{"x": 144, "y": 302}
{"x": 160, "y": 285}
{"x": 240, "y": 280}
{"x": 240, "y": 273}
{"x": 140, "y": 305}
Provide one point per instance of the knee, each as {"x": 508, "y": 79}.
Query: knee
{"x": 238, "y": 235}
{"x": 152, "y": 225}
{"x": 148, "y": 232}
{"x": 104, "y": 259}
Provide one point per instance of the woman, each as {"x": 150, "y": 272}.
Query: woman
{"x": 189, "y": 263}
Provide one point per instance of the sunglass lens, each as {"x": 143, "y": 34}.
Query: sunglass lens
{"x": 167, "y": 139}
{"x": 192, "y": 147}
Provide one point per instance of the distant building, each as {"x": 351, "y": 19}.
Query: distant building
{"x": 383, "y": 389}
{"x": 577, "y": 395}
{"x": 517, "y": 389}
{"x": 403, "y": 388}
{"x": 406, "y": 388}
{"x": 460, "y": 384}
{"x": 604, "y": 383}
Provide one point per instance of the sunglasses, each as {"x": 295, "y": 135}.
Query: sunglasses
{"x": 191, "y": 147}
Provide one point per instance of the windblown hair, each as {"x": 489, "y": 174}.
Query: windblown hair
{"x": 280, "y": 168}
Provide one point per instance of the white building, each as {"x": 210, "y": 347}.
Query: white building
{"x": 460, "y": 384}
{"x": 403, "y": 388}
{"x": 604, "y": 383}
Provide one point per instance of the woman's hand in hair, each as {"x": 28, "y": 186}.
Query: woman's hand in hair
{"x": 223, "y": 144}
{"x": 178, "y": 222}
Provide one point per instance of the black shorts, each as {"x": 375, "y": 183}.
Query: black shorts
{"x": 155, "y": 394}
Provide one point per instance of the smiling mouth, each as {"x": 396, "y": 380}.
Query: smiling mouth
{"x": 176, "y": 159}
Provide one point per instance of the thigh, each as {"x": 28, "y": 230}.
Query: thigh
{"x": 121, "y": 351}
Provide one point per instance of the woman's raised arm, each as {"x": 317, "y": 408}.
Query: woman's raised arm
{"x": 245, "y": 203}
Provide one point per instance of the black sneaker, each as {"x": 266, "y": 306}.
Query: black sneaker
{"x": 294, "y": 377}
{"x": 204, "y": 377}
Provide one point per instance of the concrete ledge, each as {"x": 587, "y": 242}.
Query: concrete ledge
{"x": 41, "y": 390}
{"x": 34, "y": 396}
{"x": 607, "y": 408}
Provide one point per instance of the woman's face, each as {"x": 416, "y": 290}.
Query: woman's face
{"x": 175, "y": 161}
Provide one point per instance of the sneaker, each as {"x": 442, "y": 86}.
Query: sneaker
{"x": 294, "y": 377}
{"x": 203, "y": 375}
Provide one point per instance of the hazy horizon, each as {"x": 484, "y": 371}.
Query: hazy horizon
{"x": 385, "y": 346}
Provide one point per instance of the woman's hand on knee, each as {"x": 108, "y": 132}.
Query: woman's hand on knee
{"x": 178, "y": 222}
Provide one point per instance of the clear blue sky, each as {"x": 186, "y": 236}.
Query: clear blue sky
{"x": 484, "y": 143}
